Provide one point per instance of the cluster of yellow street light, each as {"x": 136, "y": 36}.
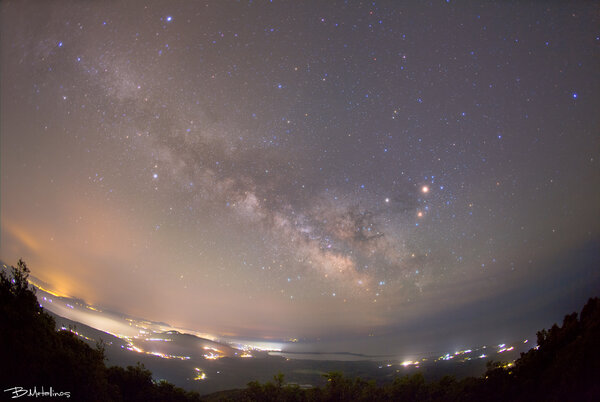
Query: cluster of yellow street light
{"x": 200, "y": 374}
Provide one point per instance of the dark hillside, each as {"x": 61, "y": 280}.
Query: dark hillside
{"x": 564, "y": 367}
{"x": 35, "y": 355}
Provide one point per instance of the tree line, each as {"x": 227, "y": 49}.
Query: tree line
{"x": 33, "y": 353}
{"x": 565, "y": 366}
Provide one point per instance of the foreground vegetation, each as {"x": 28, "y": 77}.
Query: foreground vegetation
{"x": 564, "y": 367}
{"x": 33, "y": 354}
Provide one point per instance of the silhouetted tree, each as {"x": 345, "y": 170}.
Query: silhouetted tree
{"x": 564, "y": 367}
{"x": 34, "y": 354}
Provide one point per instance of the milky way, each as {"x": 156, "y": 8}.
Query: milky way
{"x": 285, "y": 169}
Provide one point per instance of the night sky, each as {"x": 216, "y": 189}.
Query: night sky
{"x": 327, "y": 170}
